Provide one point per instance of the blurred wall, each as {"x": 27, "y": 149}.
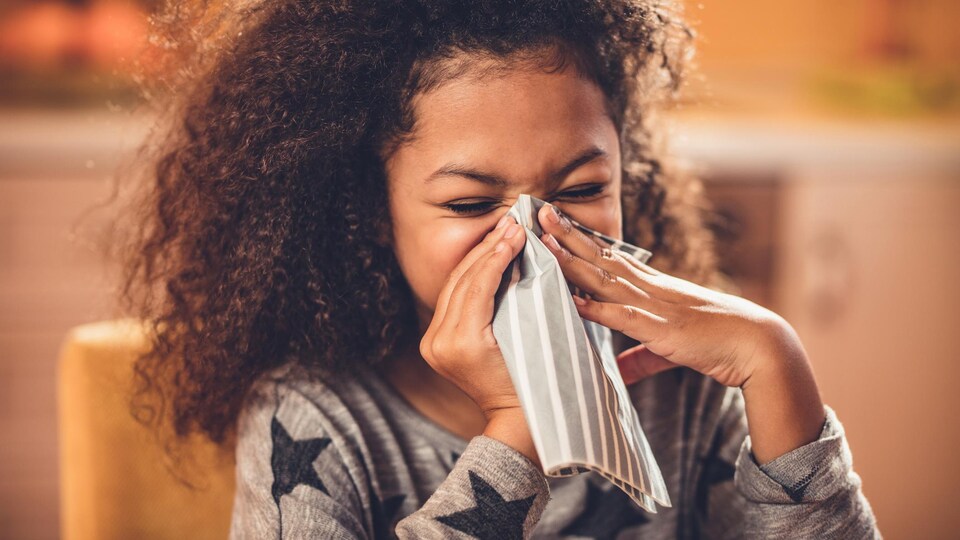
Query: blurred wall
{"x": 846, "y": 113}
{"x": 794, "y": 34}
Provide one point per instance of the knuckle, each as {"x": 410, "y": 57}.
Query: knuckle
{"x": 443, "y": 349}
{"x": 426, "y": 348}
{"x": 605, "y": 254}
{"x": 624, "y": 319}
{"x": 607, "y": 279}
{"x": 494, "y": 265}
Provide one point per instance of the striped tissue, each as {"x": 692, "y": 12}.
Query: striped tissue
{"x": 565, "y": 371}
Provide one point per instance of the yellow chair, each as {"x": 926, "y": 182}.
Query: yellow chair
{"x": 113, "y": 478}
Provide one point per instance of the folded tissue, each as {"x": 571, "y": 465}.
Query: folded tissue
{"x": 565, "y": 371}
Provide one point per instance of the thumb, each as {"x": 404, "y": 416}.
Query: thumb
{"x": 638, "y": 363}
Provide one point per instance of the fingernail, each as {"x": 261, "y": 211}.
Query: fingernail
{"x": 503, "y": 221}
{"x": 554, "y": 215}
{"x": 551, "y": 242}
{"x": 512, "y": 231}
{"x": 579, "y": 301}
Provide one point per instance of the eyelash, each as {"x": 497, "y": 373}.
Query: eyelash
{"x": 476, "y": 207}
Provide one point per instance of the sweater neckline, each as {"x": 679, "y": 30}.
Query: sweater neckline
{"x": 403, "y": 407}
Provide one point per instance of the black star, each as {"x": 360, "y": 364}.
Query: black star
{"x": 492, "y": 517}
{"x": 606, "y": 513}
{"x": 292, "y": 461}
{"x": 454, "y": 457}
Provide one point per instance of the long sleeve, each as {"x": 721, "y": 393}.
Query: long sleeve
{"x": 809, "y": 492}
{"x": 492, "y": 491}
{"x": 292, "y": 479}
{"x": 299, "y": 476}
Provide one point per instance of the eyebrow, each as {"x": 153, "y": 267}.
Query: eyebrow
{"x": 455, "y": 169}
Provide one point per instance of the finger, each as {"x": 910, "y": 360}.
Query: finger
{"x": 426, "y": 342}
{"x": 639, "y": 362}
{"x": 660, "y": 285}
{"x": 471, "y": 301}
{"x": 591, "y": 249}
{"x": 638, "y": 323}
{"x": 478, "y": 251}
{"x": 617, "y": 245}
{"x": 573, "y": 239}
{"x": 637, "y": 264}
{"x": 640, "y": 265}
{"x": 605, "y": 241}
{"x": 599, "y": 281}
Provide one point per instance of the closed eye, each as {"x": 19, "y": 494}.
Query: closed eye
{"x": 483, "y": 207}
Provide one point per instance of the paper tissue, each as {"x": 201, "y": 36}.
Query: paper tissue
{"x": 565, "y": 371}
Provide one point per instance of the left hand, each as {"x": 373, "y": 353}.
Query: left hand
{"x": 723, "y": 336}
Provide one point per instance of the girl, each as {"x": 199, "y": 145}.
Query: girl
{"x": 326, "y": 225}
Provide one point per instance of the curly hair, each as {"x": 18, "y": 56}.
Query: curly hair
{"x": 254, "y": 239}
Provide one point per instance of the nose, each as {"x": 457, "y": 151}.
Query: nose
{"x": 529, "y": 216}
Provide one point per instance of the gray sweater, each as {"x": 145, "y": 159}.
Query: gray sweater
{"x": 351, "y": 458}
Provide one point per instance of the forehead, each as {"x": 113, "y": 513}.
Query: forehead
{"x": 510, "y": 114}
{"x": 546, "y": 82}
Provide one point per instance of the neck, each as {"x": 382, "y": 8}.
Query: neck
{"x": 413, "y": 372}
{"x": 434, "y": 396}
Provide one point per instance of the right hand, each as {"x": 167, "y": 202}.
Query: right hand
{"x": 459, "y": 343}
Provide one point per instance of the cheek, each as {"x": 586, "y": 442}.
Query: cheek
{"x": 604, "y": 216}
{"x": 430, "y": 253}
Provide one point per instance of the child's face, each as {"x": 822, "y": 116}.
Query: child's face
{"x": 522, "y": 128}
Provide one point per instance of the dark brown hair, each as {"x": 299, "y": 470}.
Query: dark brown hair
{"x": 254, "y": 239}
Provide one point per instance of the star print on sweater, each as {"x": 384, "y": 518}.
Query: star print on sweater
{"x": 292, "y": 461}
{"x": 606, "y": 513}
{"x": 396, "y": 479}
{"x": 492, "y": 517}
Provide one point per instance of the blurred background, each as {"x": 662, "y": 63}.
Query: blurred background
{"x": 828, "y": 135}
